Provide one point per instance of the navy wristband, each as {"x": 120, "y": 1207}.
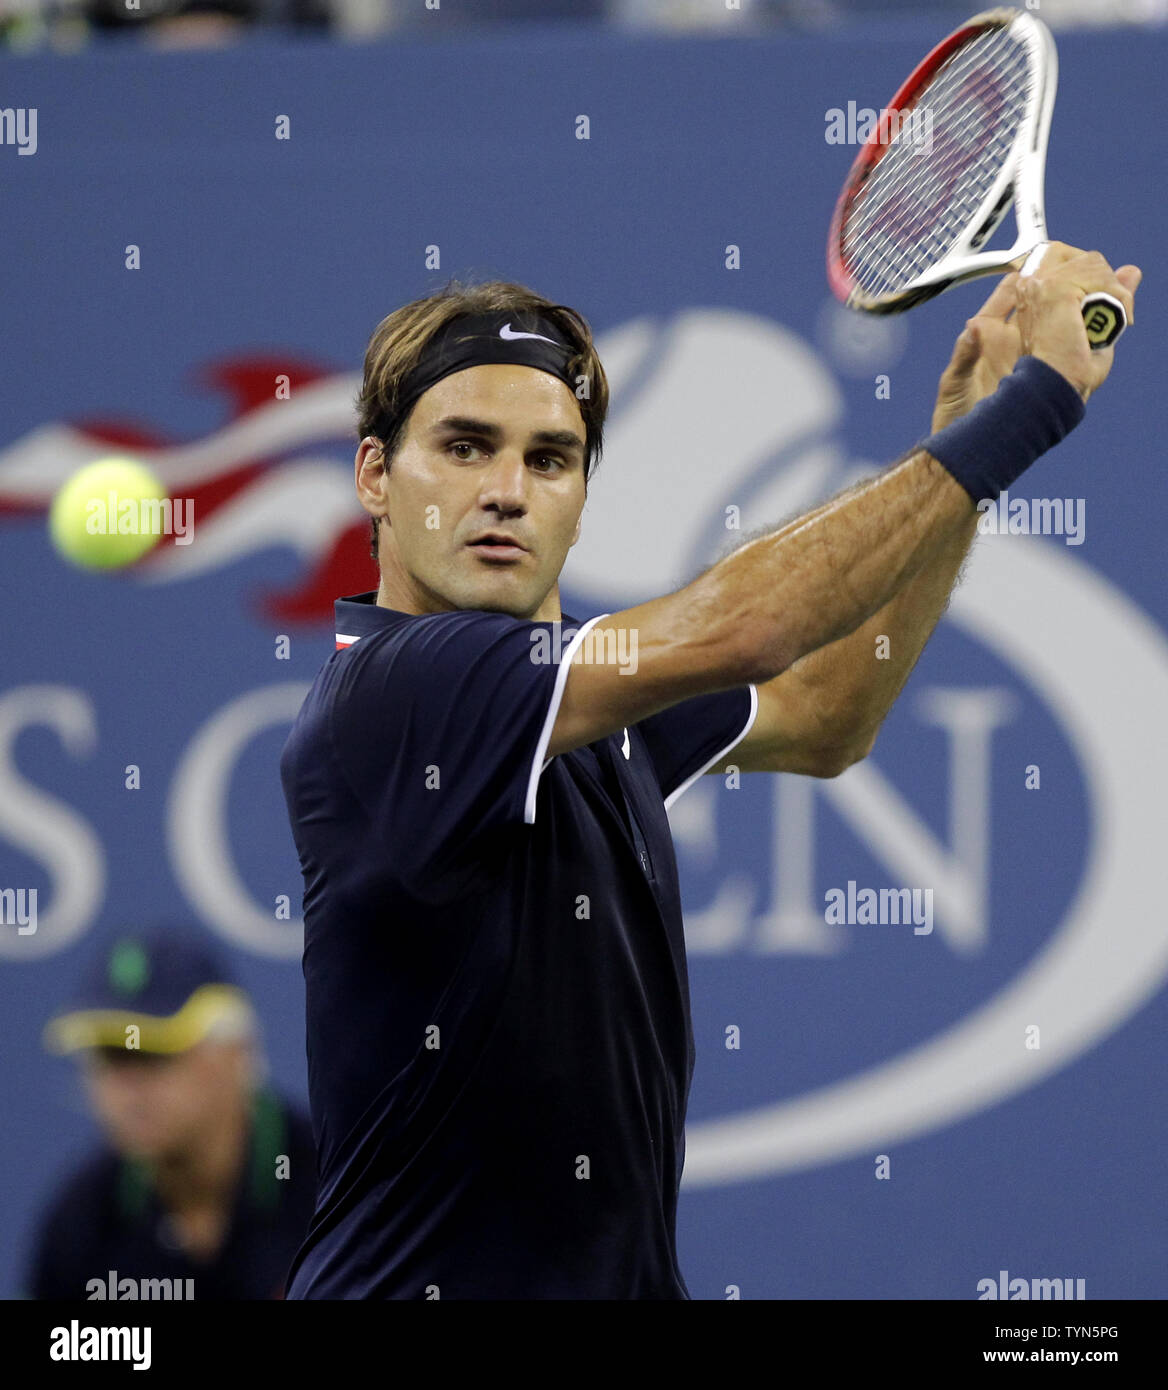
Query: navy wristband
{"x": 1030, "y": 412}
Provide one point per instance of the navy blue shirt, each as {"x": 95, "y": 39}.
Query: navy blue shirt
{"x": 498, "y": 1023}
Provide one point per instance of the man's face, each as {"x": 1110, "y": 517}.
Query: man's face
{"x": 152, "y": 1106}
{"x": 494, "y": 451}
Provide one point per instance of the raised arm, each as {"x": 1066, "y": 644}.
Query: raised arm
{"x": 762, "y": 608}
{"x": 816, "y": 580}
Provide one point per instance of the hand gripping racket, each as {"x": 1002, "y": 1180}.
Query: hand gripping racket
{"x": 964, "y": 136}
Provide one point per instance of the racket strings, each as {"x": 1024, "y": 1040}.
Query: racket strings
{"x": 924, "y": 191}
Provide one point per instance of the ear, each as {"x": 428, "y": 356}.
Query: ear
{"x": 369, "y": 468}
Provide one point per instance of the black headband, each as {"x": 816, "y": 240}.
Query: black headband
{"x": 525, "y": 338}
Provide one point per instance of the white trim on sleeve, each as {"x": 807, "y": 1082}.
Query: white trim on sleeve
{"x": 538, "y": 764}
{"x": 737, "y": 739}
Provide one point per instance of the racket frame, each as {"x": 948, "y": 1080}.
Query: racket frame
{"x": 1020, "y": 182}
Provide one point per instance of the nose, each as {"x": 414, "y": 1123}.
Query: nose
{"x": 504, "y": 484}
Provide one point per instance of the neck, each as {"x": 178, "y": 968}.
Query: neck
{"x": 392, "y": 594}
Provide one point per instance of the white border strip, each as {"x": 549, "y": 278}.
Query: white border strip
{"x": 344, "y": 640}
{"x": 685, "y": 786}
{"x": 537, "y": 762}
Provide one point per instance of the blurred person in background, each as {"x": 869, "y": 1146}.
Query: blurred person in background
{"x": 206, "y": 1174}
{"x": 210, "y": 23}
{"x": 221, "y": 15}
{"x": 69, "y": 24}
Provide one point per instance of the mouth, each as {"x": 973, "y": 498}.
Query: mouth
{"x": 497, "y": 547}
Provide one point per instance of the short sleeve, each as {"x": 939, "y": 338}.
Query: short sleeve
{"x": 689, "y": 738}
{"x": 440, "y": 725}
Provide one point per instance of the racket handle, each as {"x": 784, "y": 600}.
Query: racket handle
{"x": 1104, "y": 317}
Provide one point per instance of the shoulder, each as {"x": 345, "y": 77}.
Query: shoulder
{"x": 284, "y": 1152}
{"x": 90, "y": 1183}
{"x": 73, "y": 1222}
{"x": 433, "y": 661}
{"x": 436, "y": 637}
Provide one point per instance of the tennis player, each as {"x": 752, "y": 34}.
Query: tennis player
{"x": 498, "y": 1021}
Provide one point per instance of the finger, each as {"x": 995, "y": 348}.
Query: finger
{"x": 1094, "y": 273}
{"x": 968, "y": 345}
{"x": 966, "y": 351}
{"x": 1130, "y": 277}
{"x": 1004, "y": 300}
{"x": 1090, "y": 272}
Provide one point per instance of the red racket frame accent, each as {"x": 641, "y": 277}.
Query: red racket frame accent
{"x": 875, "y": 147}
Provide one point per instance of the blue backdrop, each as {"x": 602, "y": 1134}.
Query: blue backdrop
{"x": 689, "y": 227}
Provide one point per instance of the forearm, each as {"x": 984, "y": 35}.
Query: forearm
{"x": 822, "y": 577}
{"x": 851, "y": 684}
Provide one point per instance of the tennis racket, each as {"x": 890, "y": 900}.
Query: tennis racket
{"x": 963, "y": 138}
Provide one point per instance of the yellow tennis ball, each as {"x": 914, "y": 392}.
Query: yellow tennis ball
{"x": 108, "y": 514}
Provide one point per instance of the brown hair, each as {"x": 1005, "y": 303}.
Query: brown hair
{"x": 400, "y": 340}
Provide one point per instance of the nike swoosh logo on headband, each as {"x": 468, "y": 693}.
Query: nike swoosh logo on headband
{"x": 510, "y": 333}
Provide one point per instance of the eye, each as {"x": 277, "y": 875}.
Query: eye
{"x": 549, "y": 459}
{"x": 463, "y": 444}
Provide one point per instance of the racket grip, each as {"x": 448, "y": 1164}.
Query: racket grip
{"x": 1104, "y": 317}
